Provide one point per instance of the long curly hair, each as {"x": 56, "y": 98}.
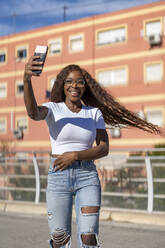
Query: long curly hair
{"x": 115, "y": 114}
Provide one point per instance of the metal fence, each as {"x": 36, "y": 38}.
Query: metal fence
{"x": 130, "y": 179}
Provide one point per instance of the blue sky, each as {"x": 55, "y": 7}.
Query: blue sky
{"x": 22, "y": 15}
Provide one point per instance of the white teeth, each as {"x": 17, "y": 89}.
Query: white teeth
{"x": 74, "y": 92}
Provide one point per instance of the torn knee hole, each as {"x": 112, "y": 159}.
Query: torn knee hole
{"x": 90, "y": 209}
{"x": 60, "y": 237}
{"x": 89, "y": 239}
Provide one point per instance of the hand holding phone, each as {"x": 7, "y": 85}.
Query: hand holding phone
{"x": 40, "y": 51}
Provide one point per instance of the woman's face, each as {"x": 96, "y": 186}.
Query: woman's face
{"x": 74, "y": 86}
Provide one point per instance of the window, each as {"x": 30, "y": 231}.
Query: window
{"x": 111, "y": 36}
{"x": 21, "y": 156}
{"x": 22, "y": 53}
{"x": 153, "y": 72}
{"x": 113, "y": 77}
{"x": 2, "y": 57}
{"x": 19, "y": 88}
{"x": 51, "y": 83}
{"x": 3, "y": 90}
{"x": 55, "y": 47}
{"x": 141, "y": 114}
{"x": 155, "y": 116}
{"x": 153, "y": 28}
{"x": 76, "y": 43}
{"x": 2, "y": 125}
{"x": 22, "y": 123}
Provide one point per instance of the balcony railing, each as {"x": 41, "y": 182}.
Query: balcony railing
{"x": 130, "y": 179}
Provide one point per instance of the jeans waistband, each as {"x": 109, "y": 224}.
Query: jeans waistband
{"x": 77, "y": 162}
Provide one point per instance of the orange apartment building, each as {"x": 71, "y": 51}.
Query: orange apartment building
{"x": 123, "y": 50}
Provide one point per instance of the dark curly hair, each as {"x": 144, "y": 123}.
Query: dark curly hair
{"x": 113, "y": 112}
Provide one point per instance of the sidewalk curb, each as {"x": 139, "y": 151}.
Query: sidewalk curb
{"x": 23, "y": 208}
{"x": 139, "y": 218}
{"x": 105, "y": 214}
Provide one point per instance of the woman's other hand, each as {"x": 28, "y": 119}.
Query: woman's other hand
{"x": 64, "y": 160}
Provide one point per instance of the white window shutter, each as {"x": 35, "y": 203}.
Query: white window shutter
{"x": 154, "y": 72}
{"x": 153, "y": 28}
{"x": 76, "y": 43}
{"x": 113, "y": 77}
{"x": 111, "y": 36}
{"x": 155, "y": 117}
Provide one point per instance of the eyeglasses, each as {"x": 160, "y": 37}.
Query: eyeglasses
{"x": 79, "y": 83}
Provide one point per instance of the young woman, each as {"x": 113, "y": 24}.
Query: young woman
{"x": 75, "y": 117}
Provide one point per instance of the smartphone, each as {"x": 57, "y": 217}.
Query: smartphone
{"x": 42, "y": 52}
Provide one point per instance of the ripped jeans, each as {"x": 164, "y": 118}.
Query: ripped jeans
{"x": 80, "y": 180}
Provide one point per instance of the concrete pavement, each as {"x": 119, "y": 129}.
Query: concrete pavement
{"x": 31, "y": 231}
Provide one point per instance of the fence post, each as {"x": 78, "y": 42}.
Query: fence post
{"x": 150, "y": 184}
{"x": 37, "y": 177}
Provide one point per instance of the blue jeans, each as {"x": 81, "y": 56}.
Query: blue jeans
{"x": 80, "y": 180}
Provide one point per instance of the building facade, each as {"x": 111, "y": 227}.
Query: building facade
{"x": 123, "y": 50}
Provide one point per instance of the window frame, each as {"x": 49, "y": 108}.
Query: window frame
{"x": 3, "y": 50}
{"x": 21, "y": 158}
{"x": 146, "y": 21}
{"x": 19, "y": 118}
{"x": 19, "y": 47}
{"x": 108, "y": 29}
{"x": 146, "y": 81}
{"x": 49, "y": 43}
{"x": 83, "y": 40}
{"x": 5, "y": 119}
{"x": 5, "y": 84}
{"x": 16, "y": 85}
{"x": 111, "y": 69}
{"x": 158, "y": 108}
{"x": 49, "y": 80}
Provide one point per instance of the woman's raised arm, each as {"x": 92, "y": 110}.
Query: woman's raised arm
{"x": 34, "y": 111}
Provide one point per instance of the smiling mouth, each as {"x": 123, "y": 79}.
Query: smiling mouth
{"x": 74, "y": 93}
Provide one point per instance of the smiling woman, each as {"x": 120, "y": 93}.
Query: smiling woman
{"x": 75, "y": 117}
